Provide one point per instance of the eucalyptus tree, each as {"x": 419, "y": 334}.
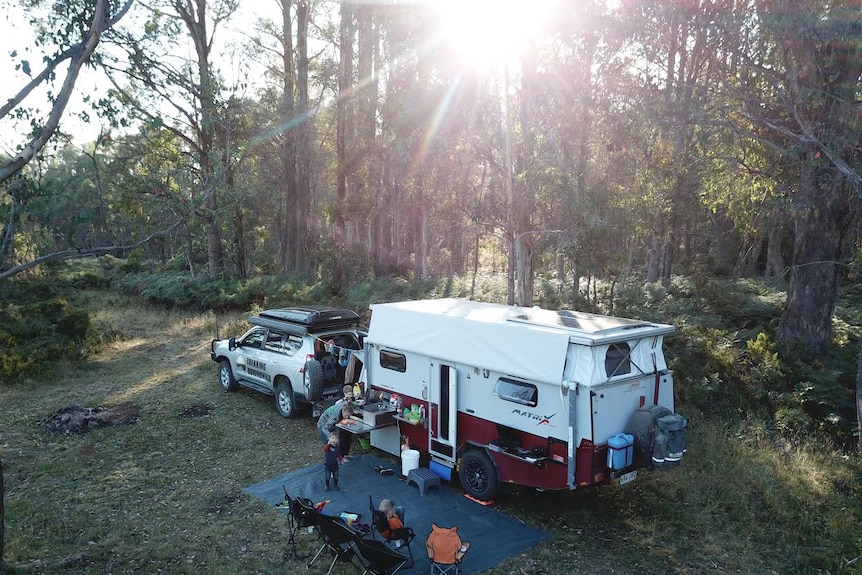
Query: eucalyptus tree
{"x": 181, "y": 93}
{"x": 398, "y": 207}
{"x": 344, "y": 121}
{"x": 793, "y": 80}
{"x": 70, "y": 34}
{"x": 667, "y": 50}
{"x": 285, "y": 42}
{"x": 66, "y": 34}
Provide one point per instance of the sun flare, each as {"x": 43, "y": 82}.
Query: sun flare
{"x": 489, "y": 33}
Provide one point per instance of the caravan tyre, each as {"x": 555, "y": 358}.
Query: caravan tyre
{"x": 478, "y": 475}
{"x": 312, "y": 380}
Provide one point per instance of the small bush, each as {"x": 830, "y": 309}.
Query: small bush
{"x": 36, "y": 336}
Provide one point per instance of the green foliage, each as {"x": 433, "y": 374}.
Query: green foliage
{"x": 726, "y": 359}
{"x": 724, "y": 354}
{"x": 39, "y": 331}
{"x": 201, "y": 292}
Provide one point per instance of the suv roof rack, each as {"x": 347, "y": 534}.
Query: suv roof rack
{"x": 304, "y": 319}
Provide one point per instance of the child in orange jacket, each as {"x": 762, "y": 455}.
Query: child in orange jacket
{"x": 396, "y": 530}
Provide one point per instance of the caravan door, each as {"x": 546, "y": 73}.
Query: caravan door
{"x": 443, "y": 416}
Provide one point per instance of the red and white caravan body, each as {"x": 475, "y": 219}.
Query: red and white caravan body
{"x": 513, "y": 394}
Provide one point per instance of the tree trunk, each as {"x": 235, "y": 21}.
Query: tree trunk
{"x": 240, "y": 269}
{"x": 858, "y": 420}
{"x": 343, "y": 117}
{"x": 303, "y": 144}
{"x": 368, "y": 161}
{"x": 653, "y": 259}
{"x": 576, "y": 283}
{"x": 7, "y": 234}
{"x": 774, "y": 258}
{"x": 289, "y": 201}
{"x": 190, "y": 248}
{"x": 524, "y": 256}
{"x": 2, "y": 521}
{"x": 510, "y": 270}
{"x": 475, "y": 271}
{"x": 806, "y": 322}
{"x": 669, "y": 254}
{"x": 195, "y": 18}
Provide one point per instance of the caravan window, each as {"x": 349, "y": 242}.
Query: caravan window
{"x": 393, "y": 361}
{"x": 517, "y": 391}
{"x": 617, "y": 360}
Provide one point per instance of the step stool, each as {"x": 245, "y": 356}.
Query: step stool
{"x": 423, "y": 478}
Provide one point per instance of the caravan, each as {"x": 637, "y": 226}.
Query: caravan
{"x": 528, "y": 396}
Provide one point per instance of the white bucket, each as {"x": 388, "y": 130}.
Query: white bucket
{"x": 409, "y": 460}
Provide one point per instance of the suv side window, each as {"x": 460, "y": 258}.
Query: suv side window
{"x": 254, "y": 338}
{"x": 292, "y": 344}
{"x": 274, "y": 342}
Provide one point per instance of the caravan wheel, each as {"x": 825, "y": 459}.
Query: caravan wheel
{"x": 478, "y": 475}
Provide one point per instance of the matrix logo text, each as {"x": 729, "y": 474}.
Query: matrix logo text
{"x": 539, "y": 419}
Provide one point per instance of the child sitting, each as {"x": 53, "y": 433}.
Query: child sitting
{"x": 394, "y": 528}
{"x": 331, "y": 457}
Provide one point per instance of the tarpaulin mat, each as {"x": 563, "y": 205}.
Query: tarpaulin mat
{"x": 493, "y": 535}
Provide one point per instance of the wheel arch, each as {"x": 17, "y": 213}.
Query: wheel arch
{"x": 472, "y": 446}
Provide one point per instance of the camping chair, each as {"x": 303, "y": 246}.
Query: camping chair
{"x": 338, "y": 537}
{"x": 378, "y": 558}
{"x": 302, "y": 515}
{"x": 379, "y": 524}
{"x": 445, "y": 550}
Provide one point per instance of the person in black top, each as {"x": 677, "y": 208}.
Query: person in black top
{"x": 331, "y": 458}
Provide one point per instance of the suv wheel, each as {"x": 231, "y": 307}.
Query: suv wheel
{"x": 312, "y": 380}
{"x": 284, "y": 400}
{"x": 225, "y": 376}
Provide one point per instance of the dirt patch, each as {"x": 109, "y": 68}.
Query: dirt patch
{"x": 76, "y": 420}
{"x": 197, "y": 410}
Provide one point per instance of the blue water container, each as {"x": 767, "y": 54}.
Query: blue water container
{"x": 620, "y": 451}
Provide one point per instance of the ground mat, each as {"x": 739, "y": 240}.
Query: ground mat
{"x": 494, "y": 536}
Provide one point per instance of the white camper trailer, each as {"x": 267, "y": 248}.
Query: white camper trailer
{"x": 520, "y": 395}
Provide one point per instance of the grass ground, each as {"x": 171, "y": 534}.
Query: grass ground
{"x": 165, "y": 495}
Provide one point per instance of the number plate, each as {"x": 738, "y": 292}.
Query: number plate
{"x": 628, "y": 477}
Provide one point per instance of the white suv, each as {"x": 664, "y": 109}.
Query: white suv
{"x": 300, "y": 355}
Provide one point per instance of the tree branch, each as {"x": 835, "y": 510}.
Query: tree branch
{"x": 79, "y": 55}
{"x": 80, "y": 253}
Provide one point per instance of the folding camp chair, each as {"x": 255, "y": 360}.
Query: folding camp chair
{"x": 445, "y": 550}
{"x": 338, "y": 537}
{"x": 380, "y": 523}
{"x": 378, "y": 558}
{"x": 301, "y": 515}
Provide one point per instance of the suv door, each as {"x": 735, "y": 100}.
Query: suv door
{"x": 250, "y": 360}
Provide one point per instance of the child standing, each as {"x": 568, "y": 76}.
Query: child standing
{"x": 331, "y": 457}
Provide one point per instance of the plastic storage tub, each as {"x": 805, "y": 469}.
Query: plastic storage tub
{"x": 620, "y": 451}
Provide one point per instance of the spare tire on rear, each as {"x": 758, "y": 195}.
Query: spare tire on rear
{"x": 312, "y": 380}
{"x": 659, "y": 433}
